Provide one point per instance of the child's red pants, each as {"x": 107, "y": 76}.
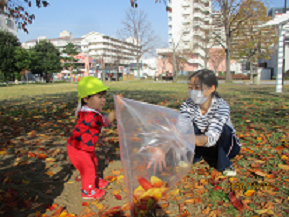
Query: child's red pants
{"x": 86, "y": 163}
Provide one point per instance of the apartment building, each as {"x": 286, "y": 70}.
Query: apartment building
{"x": 112, "y": 50}
{"x": 187, "y": 22}
{"x": 65, "y": 37}
{"x": 7, "y": 24}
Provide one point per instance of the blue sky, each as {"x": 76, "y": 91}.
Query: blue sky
{"x": 83, "y": 16}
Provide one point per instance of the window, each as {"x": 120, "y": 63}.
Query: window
{"x": 10, "y": 23}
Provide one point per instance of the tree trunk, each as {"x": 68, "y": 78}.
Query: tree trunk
{"x": 228, "y": 59}
{"x": 251, "y": 71}
{"x": 71, "y": 78}
{"x": 138, "y": 72}
{"x": 47, "y": 79}
{"x": 27, "y": 80}
{"x": 6, "y": 78}
{"x": 206, "y": 62}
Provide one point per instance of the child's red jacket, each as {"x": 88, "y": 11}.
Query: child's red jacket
{"x": 87, "y": 129}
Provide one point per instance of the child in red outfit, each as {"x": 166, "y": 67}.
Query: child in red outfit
{"x": 81, "y": 144}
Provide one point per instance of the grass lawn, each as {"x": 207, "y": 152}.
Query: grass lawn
{"x": 36, "y": 178}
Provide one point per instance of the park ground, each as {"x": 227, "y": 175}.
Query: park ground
{"x": 36, "y": 178}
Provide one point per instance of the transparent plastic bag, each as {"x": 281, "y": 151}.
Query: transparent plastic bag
{"x": 142, "y": 128}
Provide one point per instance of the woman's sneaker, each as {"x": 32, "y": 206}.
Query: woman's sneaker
{"x": 100, "y": 183}
{"x": 196, "y": 160}
{"x": 230, "y": 171}
{"x": 93, "y": 194}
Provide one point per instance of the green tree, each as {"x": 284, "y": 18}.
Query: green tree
{"x": 22, "y": 60}
{"x": 8, "y": 45}
{"x": 69, "y": 61}
{"x": 45, "y": 58}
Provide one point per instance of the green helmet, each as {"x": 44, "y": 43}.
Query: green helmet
{"x": 90, "y": 85}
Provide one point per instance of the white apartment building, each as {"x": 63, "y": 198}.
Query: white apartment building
{"x": 186, "y": 23}
{"x": 112, "y": 50}
{"x": 7, "y": 24}
{"x": 60, "y": 43}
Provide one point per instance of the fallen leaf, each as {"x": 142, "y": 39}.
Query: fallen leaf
{"x": 283, "y": 166}
{"x": 164, "y": 205}
{"x": 249, "y": 193}
{"x": 116, "y": 192}
{"x": 246, "y": 206}
{"x": 49, "y": 173}
{"x": 85, "y": 204}
{"x": 125, "y": 207}
{"x": 238, "y": 204}
{"x": 232, "y": 196}
{"x": 261, "y": 211}
{"x": 198, "y": 200}
{"x": 25, "y": 182}
{"x": 206, "y": 211}
{"x": 188, "y": 201}
{"x": 260, "y": 173}
{"x": 116, "y": 172}
{"x": 42, "y": 156}
{"x": 110, "y": 178}
{"x": 118, "y": 197}
{"x": 278, "y": 200}
{"x": 99, "y": 206}
{"x": 58, "y": 211}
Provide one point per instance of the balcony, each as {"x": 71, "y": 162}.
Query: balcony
{"x": 186, "y": 38}
{"x": 170, "y": 40}
{"x": 170, "y": 23}
{"x": 186, "y": 12}
{"x": 200, "y": 15}
{"x": 170, "y": 15}
{"x": 186, "y": 4}
{"x": 84, "y": 43}
{"x": 186, "y": 22}
{"x": 170, "y": 32}
{"x": 196, "y": 61}
{"x": 92, "y": 53}
{"x": 201, "y": 7}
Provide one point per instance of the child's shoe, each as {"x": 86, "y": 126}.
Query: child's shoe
{"x": 100, "y": 183}
{"x": 93, "y": 194}
{"x": 230, "y": 171}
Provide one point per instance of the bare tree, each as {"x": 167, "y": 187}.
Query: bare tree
{"x": 181, "y": 58}
{"x": 232, "y": 20}
{"x": 204, "y": 39}
{"x": 137, "y": 27}
{"x": 216, "y": 57}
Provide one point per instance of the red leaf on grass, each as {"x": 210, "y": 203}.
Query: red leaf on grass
{"x": 278, "y": 148}
{"x": 118, "y": 197}
{"x": 85, "y": 204}
{"x": 218, "y": 188}
{"x": 78, "y": 178}
{"x": 238, "y": 204}
{"x": 53, "y": 207}
{"x": 232, "y": 196}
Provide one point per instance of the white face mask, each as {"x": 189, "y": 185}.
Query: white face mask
{"x": 198, "y": 96}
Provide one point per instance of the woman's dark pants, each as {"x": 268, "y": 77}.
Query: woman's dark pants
{"x": 219, "y": 152}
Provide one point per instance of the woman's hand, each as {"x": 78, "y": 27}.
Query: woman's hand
{"x": 158, "y": 158}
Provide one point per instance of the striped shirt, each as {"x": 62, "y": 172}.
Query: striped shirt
{"x": 211, "y": 123}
